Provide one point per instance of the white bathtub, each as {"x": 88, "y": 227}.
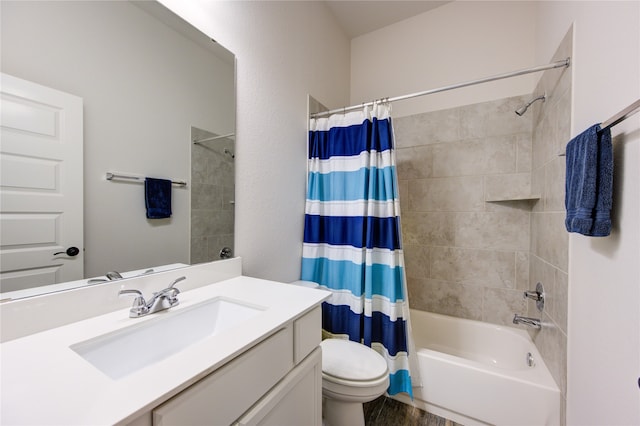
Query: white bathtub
{"x": 477, "y": 373}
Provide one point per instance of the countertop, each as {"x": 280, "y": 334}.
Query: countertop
{"x": 45, "y": 382}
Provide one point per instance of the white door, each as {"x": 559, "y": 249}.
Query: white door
{"x": 41, "y": 210}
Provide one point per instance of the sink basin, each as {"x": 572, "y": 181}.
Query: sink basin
{"x": 128, "y": 350}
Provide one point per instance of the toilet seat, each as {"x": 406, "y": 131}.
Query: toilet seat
{"x": 352, "y": 364}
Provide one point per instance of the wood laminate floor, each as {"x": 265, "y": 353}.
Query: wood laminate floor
{"x": 385, "y": 411}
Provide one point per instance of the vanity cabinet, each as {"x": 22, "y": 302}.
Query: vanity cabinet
{"x": 278, "y": 381}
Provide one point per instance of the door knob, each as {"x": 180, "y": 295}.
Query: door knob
{"x": 71, "y": 251}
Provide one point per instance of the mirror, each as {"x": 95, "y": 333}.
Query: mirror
{"x": 150, "y": 83}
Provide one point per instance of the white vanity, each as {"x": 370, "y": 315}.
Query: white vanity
{"x": 258, "y": 361}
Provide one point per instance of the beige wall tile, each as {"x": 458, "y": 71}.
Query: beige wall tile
{"x": 495, "y": 154}
{"x": 403, "y": 191}
{"x": 549, "y": 238}
{"x": 494, "y": 118}
{"x": 446, "y": 194}
{"x": 416, "y": 258}
{"x": 427, "y": 229}
{"x": 543, "y": 147}
{"x": 418, "y": 293}
{"x": 506, "y": 186}
{"x": 555, "y": 185}
{"x": 414, "y": 162}
{"x": 427, "y": 128}
{"x": 205, "y": 196}
{"x": 501, "y": 304}
{"x": 507, "y": 230}
{"x": 522, "y": 270}
{"x": 485, "y": 268}
{"x": 561, "y": 300}
{"x": 450, "y": 298}
{"x": 538, "y": 187}
{"x": 563, "y": 122}
{"x": 523, "y": 161}
{"x": 552, "y": 345}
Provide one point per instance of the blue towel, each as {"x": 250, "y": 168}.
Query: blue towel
{"x": 589, "y": 182}
{"x": 157, "y": 198}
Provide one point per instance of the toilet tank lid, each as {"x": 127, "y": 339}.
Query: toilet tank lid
{"x": 309, "y": 284}
{"x": 351, "y": 361}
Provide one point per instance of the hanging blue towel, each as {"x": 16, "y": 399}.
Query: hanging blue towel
{"x": 589, "y": 182}
{"x": 157, "y": 198}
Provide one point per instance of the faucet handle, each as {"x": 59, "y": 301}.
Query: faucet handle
{"x": 538, "y": 295}
{"x": 171, "y": 292}
{"x": 177, "y": 280}
{"x": 131, "y": 291}
{"x": 139, "y": 306}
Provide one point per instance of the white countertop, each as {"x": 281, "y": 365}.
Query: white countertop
{"x": 45, "y": 382}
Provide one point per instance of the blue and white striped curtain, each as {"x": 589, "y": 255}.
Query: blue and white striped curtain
{"x": 352, "y": 242}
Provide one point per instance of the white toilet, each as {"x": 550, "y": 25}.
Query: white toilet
{"x": 351, "y": 375}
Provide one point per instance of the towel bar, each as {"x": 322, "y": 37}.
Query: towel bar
{"x": 136, "y": 178}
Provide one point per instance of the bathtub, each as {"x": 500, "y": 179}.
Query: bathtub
{"x": 478, "y": 373}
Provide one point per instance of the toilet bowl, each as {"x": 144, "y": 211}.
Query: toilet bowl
{"x": 352, "y": 374}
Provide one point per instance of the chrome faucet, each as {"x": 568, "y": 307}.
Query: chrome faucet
{"x": 159, "y": 301}
{"x": 531, "y": 322}
{"x": 111, "y": 276}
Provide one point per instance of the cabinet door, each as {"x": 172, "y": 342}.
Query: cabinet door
{"x": 296, "y": 400}
{"x": 222, "y": 397}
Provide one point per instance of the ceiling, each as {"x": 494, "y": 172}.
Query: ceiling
{"x": 361, "y": 17}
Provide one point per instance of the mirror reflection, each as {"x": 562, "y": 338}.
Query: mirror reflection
{"x": 149, "y": 84}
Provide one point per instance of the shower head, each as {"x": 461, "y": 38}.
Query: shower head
{"x": 524, "y": 108}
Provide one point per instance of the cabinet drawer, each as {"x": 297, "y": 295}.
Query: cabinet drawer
{"x": 295, "y": 400}
{"x": 307, "y": 333}
{"x": 224, "y": 395}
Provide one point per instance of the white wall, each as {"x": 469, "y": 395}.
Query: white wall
{"x": 604, "y": 273}
{"x": 455, "y": 43}
{"x": 284, "y": 50}
{"x": 143, "y": 86}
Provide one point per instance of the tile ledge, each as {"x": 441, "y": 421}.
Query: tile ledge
{"x": 532, "y": 197}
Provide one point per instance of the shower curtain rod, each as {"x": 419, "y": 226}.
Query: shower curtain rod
{"x": 558, "y": 64}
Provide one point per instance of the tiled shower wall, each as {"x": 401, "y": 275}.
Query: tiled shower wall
{"x": 549, "y": 238}
{"x": 212, "y": 195}
{"x": 466, "y": 256}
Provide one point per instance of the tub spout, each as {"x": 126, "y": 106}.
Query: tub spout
{"x": 531, "y": 322}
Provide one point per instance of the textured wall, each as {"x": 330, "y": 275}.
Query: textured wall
{"x": 284, "y": 51}
{"x": 457, "y": 42}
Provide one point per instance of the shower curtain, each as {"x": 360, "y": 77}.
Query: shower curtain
{"x": 352, "y": 242}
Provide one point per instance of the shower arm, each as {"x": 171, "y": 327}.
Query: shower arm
{"x": 520, "y": 111}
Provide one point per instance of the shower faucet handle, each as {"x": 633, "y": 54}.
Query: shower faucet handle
{"x": 532, "y": 294}
{"x": 537, "y": 295}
